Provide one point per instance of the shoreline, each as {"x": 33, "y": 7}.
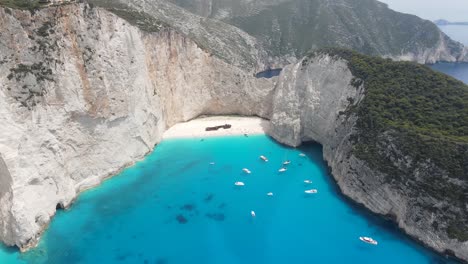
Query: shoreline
{"x": 239, "y": 126}
{"x": 191, "y": 129}
{"x": 253, "y": 126}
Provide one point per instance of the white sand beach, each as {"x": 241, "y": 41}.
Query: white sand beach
{"x": 239, "y": 126}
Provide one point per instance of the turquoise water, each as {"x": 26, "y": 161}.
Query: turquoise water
{"x": 456, "y": 70}
{"x": 174, "y": 207}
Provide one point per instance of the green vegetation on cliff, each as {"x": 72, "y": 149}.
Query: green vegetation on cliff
{"x": 31, "y": 5}
{"x": 21, "y": 4}
{"x": 412, "y": 116}
{"x": 294, "y": 27}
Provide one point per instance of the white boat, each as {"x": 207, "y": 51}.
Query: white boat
{"x": 302, "y": 154}
{"x": 287, "y": 162}
{"x": 212, "y": 163}
{"x": 270, "y": 194}
{"x": 368, "y": 240}
{"x": 246, "y": 170}
{"x": 308, "y": 181}
{"x": 264, "y": 158}
{"x": 252, "y": 213}
{"x": 282, "y": 170}
{"x": 239, "y": 183}
{"x": 311, "y": 191}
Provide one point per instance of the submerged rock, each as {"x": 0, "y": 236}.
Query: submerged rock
{"x": 394, "y": 171}
{"x": 84, "y": 93}
{"x": 89, "y": 94}
{"x": 181, "y": 219}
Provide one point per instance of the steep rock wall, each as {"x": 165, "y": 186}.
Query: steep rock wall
{"x": 312, "y": 102}
{"x": 83, "y": 93}
{"x": 291, "y": 28}
{"x": 445, "y": 50}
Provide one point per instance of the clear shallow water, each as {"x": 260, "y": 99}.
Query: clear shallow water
{"x": 456, "y": 70}
{"x": 174, "y": 207}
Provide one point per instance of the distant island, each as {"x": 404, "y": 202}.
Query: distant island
{"x": 443, "y": 22}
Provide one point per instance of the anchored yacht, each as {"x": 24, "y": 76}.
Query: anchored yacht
{"x": 239, "y": 183}
{"x": 282, "y": 170}
{"x": 368, "y": 240}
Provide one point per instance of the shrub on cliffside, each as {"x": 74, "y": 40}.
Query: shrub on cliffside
{"x": 413, "y": 121}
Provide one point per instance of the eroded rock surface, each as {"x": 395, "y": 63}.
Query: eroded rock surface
{"x": 312, "y": 101}
{"x": 83, "y": 93}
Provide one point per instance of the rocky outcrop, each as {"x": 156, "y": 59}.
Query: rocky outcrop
{"x": 313, "y": 101}
{"x": 444, "y": 50}
{"x": 83, "y": 93}
{"x": 291, "y": 28}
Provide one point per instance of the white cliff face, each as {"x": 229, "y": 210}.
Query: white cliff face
{"x": 311, "y": 103}
{"x": 89, "y": 94}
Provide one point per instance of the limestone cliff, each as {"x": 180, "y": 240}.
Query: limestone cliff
{"x": 83, "y": 93}
{"x": 319, "y": 98}
{"x": 292, "y": 28}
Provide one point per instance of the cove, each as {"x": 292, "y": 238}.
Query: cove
{"x": 176, "y": 207}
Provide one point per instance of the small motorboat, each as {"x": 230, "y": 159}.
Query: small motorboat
{"x": 212, "y": 163}
{"x": 264, "y": 158}
{"x": 302, "y": 155}
{"x": 287, "y": 162}
{"x": 282, "y": 170}
{"x": 270, "y": 194}
{"x": 252, "y": 213}
{"x": 311, "y": 191}
{"x": 368, "y": 240}
{"x": 239, "y": 183}
{"x": 308, "y": 181}
{"x": 246, "y": 170}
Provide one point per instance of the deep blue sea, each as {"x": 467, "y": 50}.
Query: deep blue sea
{"x": 175, "y": 207}
{"x": 456, "y": 70}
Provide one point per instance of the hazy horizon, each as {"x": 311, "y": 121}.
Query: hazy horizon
{"x": 451, "y": 10}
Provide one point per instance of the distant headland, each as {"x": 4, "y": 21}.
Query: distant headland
{"x": 443, "y": 22}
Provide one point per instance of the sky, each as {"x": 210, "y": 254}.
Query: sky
{"x": 452, "y": 10}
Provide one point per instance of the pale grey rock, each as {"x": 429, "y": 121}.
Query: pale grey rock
{"x": 311, "y": 103}
{"x": 445, "y": 50}
{"x": 89, "y": 94}
{"x": 291, "y": 28}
